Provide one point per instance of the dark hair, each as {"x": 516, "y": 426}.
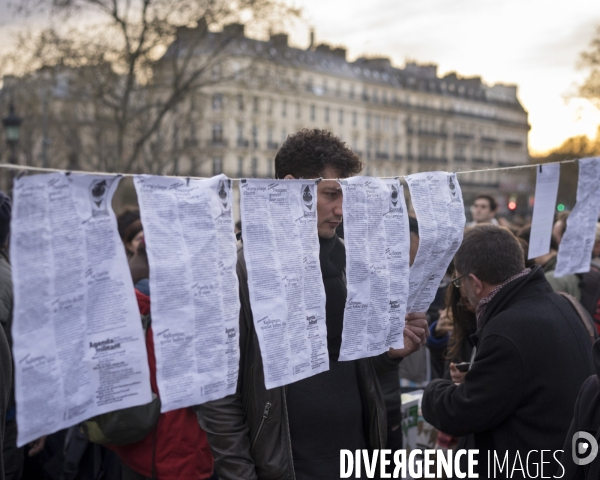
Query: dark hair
{"x": 525, "y": 234}
{"x": 413, "y": 226}
{"x": 127, "y": 216}
{"x": 307, "y": 153}
{"x": 463, "y": 320}
{"x": 133, "y": 229}
{"x": 490, "y": 199}
{"x": 491, "y": 253}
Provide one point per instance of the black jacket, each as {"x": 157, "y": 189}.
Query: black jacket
{"x": 533, "y": 355}
{"x": 586, "y": 418}
{"x": 249, "y": 432}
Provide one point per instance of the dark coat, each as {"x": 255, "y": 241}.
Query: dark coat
{"x": 5, "y": 389}
{"x": 586, "y": 418}
{"x": 533, "y": 355}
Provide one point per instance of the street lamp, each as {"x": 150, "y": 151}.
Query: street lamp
{"x": 12, "y": 128}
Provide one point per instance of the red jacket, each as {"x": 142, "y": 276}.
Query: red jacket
{"x": 181, "y": 451}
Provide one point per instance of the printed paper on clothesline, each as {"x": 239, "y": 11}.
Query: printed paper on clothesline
{"x": 287, "y": 297}
{"x": 78, "y": 342}
{"x": 575, "y": 249}
{"x": 546, "y": 190}
{"x": 377, "y": 244}
{"x": 438, "y": 204}
{"x": 190, "y": 242}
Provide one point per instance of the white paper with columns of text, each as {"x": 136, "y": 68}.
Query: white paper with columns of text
{"x": 78, "y": 342}
{"x": 188, "y": 229}
{"x": 377, "y": 245}
{"x": 576, "y": 245}
{"x": 438, "y": 204}
{"x": 281, "y": 249}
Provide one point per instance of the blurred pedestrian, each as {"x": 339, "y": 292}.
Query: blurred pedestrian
{"x": 484, "y": 210}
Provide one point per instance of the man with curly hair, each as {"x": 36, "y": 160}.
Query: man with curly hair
{"x": 297, "y": 431}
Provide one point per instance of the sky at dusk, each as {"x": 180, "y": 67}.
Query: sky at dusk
{"x": 532, "y": 43}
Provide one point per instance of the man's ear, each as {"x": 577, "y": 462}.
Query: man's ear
{"x": 289, "y": 177}
{"x": 477, "y": 284}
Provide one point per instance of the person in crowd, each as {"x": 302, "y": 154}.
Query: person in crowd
{"x": 13, "y": 456}
{"x": 568, "y": 283}
{"x": 133, "y": 237}
{"x": 177, "y": 448}
{"x": 126, "y": 217}
{"x": 5, "y": 388}
{"x": 297, "y": 431}
{"x": 452, "y": 344}
{"x": 560, "y": 225}
{"x": 532, "y": 356}
{"x": 484, "y": 210}
{"x": 586, "y": 418}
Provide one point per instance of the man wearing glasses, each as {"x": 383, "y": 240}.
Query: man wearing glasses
{"x": 532, "y": 354}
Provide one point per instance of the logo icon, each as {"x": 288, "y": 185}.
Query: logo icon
{"x": 98, "y": 192}
{"x": 307, "y": 197}
{"x": 223, "y": 195}
{"x": 584, "y": 448}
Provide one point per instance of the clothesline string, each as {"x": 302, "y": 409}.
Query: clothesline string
{"x": 23, "y": 168}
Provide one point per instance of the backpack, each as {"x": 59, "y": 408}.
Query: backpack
{"x": 589, "y": 285}
{"x": 128, "y": 425}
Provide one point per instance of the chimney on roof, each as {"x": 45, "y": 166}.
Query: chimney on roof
{"x": 279, "y": 39}
{"x": 339, "y": 52}
{"x": 312, "y": 38}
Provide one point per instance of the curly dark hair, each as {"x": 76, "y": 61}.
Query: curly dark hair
{"x": 307, "y": 153}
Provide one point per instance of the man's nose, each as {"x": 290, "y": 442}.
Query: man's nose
{"x": 337, "y": 209}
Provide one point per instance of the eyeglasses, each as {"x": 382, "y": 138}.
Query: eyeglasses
{"x": 456, "y": 281}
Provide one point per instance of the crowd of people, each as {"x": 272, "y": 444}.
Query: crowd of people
{"x": 502, "y": 354}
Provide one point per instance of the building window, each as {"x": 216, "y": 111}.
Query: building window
{"x": 375, "y": 96}
{"x": 354, "y": 119}
{"x": 284, "y": 108}
{"x": 327, "y": 114}
{"x": 386, "y": 124}
{"x": 283, "y": 135}
{"x": 341, "y": 117}
{"x": 254, "y": 136}
{"x": 324, "y": 87}
{"x": 217, "y": 165}
{"x": 255, "y": 104}
{"x": 368, "y": 149}
{"x": 240, "y": 170}
{"x": 368, "y": 120}
{"x": 377, "y": 123}
{"x": 217, "y": 102}
{"x": 365, "y": 94}
{"x": 338, "y": 90}
{"x": 312, "y": 112}
{"x": 270, "y": 106}
{"x": 270, "y": 135}
{"x": 240, "y": 102}
{"x": 240, "y": 132}
{"x": 269, "y": 169}
{"x": 217, "y": 132}
{"x": 216, "y": 72}
{"x": 298, "y": 110}
{"x": 351, "y": 91}
{"x": 254, "y": 167}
